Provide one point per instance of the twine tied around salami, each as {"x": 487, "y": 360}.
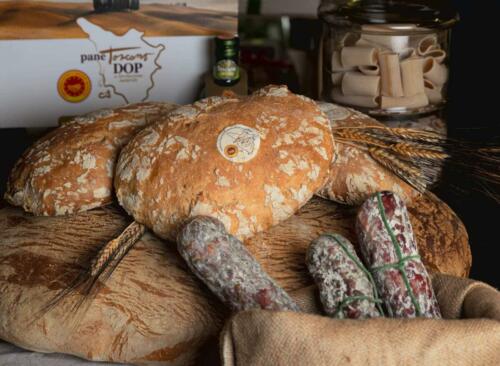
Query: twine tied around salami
{"x": 400, "y": 264}
{"x": 349, "y": 299}
{"x": 390, "y": 251}
{"x": 346, "y": 287}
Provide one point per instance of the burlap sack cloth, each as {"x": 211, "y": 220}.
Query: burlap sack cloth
{"x": 286, "y": 338}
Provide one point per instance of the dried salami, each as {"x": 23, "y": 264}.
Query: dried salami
{"x": 346, "y": 287}
{"x": 224, "y": 264}
{"x": 389, "y": 249}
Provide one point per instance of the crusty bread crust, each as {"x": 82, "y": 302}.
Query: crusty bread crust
{"x": 250, "y": 162}
{"x": 355, "y": 175}
{"x": 71, "y": 169}
{"x": 153, "y": 309}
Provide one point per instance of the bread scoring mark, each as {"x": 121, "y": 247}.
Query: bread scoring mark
{"x": 125, "y": 123}
{"x": 88, "y": 161}
{"x": 305, "y": 127}
{"x": 46, "y": 193}
{"x": 221, "y": 181}
{"x": 110, "y": 167}
{"x": 273, "y": 91}
{"x": 93, "y": 116}
{"x": 275, "y": 199}
{"x": 321, "y": 151}
{"x": 150, "y": 139}
{"x": 288, "y": 168}
{"x": 206, "y": 209}
{"x": 82, "y": 179}
{"x": 102, "y": 192}
{"x": 360, "y": 184}
{"x": 63, "y": 209}
{"x": 398, "y": 190}
{"x": 302, "y": 194}
{"x": 182, "y": 154}
{"x": 315, "y": 141}
{"x": 144, "y": 168}
{"x": 283, "y": 154}
{"x": 127, "y": 166}
{"x": 42, "y": 170}
{"x": 195, "y": 153}
{"x": 201, "y": 208}
{"x": 245, "y": 228}
{"x": 314, "y": 173}
{"x": 184, "y": 112}
{"x": 132, "y": 202}
{"x": 303, "y": 165}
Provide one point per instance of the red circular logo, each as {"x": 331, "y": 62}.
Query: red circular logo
{"x": 74, "y": 86}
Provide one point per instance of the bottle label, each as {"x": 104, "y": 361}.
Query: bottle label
{"x": 226, "y": 70}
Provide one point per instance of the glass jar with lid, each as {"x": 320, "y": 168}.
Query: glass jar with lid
{"x": 386, "y": 57}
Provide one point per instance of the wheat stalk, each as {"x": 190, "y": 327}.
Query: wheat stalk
{"x": 360, "y": 137}
{"x": 101, "y": 267}
{"x": 116, "y": 247}
{"x": 396, "y": 134}
{"x": 403, "y": 169}
{"x": 412, "y": 150}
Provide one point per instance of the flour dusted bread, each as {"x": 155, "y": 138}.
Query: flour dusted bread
{"x": 152, "y": 310}
{"x": 355, "y": 175}
{"x": 250, "y": 162}
{"x": 71, "y": 169}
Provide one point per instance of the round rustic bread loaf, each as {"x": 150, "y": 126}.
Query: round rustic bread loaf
{"x": 71, "y": 168}
{"x": 250, "y": 162}
{"x": 152, "y": 309}
{"x": 355, "y": 175}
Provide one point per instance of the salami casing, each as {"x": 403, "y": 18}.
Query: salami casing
{"x": 346, "y": 287}
{"x": 224, "y": 264}
{"x": 389, "y": 249}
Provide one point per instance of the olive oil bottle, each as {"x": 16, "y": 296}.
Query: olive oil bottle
{"x": 226, "y": 71}
{"x": 226, "y": 75}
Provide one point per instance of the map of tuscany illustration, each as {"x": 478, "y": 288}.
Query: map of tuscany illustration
{"x": 134, "y": 81}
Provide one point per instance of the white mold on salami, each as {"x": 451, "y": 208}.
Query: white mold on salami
{"x": 347, "y": 289}
{"x": 390, "y": 250}
{"x": 224, "y": 264}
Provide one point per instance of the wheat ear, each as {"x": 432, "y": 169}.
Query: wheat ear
{"x": 116, "y": 248}
{"x": 100, "y": 269}
{"x": 411, "y": 150}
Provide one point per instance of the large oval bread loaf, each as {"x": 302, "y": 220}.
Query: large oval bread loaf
{"x": 153, "y": 310}
{"x": 71, "y": 168}
{"x": 249, "y": 170}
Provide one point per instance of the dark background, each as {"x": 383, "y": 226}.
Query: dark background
{"x": 473, "y": 113}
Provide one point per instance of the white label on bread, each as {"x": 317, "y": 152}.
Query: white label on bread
{"x": 338, "y": 113}
{"x": 238, "y": 143}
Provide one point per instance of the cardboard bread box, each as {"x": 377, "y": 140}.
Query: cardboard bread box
{"x": 62, "y": 58}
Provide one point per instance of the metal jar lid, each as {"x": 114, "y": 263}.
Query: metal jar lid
{"x": 435, "y": 14}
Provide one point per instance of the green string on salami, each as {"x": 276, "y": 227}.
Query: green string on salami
{"x": 349, "y": 299}
{"x": 402, "y": 260}
{"x": 346, "y": 288}
{"x": 375, "y": 299}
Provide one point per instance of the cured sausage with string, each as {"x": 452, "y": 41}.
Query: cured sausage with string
{"x": 346, "y": 288}
{"x": 228, "y": 269}
{"x": 390, "y": 251}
